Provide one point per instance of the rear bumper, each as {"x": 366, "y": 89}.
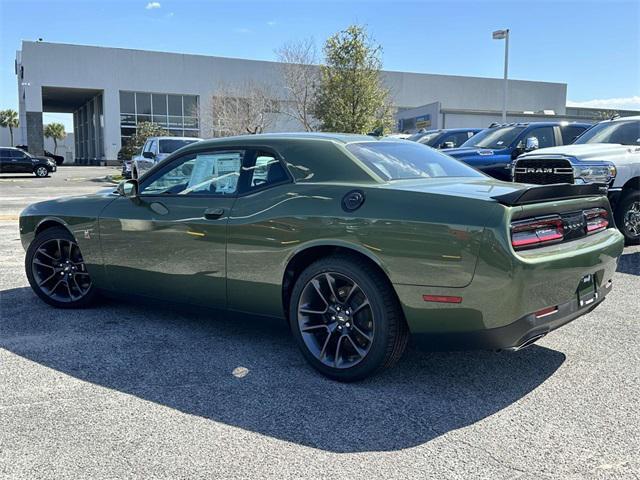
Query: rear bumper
{"x": 512, "y": 336}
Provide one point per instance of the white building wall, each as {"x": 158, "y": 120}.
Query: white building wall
{"x": 115, "y": 69}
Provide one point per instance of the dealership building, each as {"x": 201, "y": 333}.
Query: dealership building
{"x": 110, "y": 90}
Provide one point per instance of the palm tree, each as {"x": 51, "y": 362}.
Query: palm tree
{"x": 56, "y": 132}
{"x": 9, "y": 119}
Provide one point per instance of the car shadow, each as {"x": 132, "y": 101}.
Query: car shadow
{"x": 246, "y": 372}
{"x": 629, "y": 263}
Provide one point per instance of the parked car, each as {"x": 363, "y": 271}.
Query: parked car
{"x": 59, "y": 159}
{"x": 358, "y": 242}
{"x": 608, "y": 153}
{"x": 444, "y": 138}
{"x": 14, "y": 160}
{"x": 156, "y": 149}
{"x": 126, "y": 163}
{"x": 493, "y": 150}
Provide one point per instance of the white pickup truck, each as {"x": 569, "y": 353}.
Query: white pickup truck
{"x": 155, "y": 150}
{"x": 607, "y": 153}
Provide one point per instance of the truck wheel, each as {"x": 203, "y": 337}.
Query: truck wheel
{"x": 346, "y": 318}
{"x": 628, "y": 217}
{"x": 56, "y": 270}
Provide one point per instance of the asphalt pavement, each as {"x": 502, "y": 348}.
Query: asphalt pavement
{"x": 127, "y": 390}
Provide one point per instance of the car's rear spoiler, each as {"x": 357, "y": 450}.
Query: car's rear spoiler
{"x": 550, "y": 193}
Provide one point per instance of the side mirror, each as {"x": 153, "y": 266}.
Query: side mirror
{"x": 447, "y": 145}
{"x": 531, "y": 144}
{"x": 128, "y": 188}
{"x": 149, "y": 155}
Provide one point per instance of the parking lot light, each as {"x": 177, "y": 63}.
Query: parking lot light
{"x": 504, "y": 35}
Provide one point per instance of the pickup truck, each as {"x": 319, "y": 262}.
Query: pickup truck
{"x": 156, "y": 149}
{"x": 494, "y": 149}
{"x": 608, "y": 153}
{"x": 445, "y": 137}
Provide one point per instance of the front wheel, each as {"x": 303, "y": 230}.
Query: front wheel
{"x": 41, "y": 172}
{"x": 346, "y": 318}
{"x": 56, "y": 270}
{"x": 628, "y": 217}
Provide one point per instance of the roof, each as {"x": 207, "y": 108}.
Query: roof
{"x": 268, "y": 137}
{"x": 541, "y": 124}
{"x": 622, "y": 119}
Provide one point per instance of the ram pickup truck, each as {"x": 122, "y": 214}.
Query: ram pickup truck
{"x": 608, "y": 153}
{"x": 445, "y": 137}
{"x": 493, "y": 150}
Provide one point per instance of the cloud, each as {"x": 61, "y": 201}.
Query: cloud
{"x": 241, "y": 30}
{"x": 621, "y": 103}
{"x": 152, "y": 5}
{"x": 271, "y": 23}
{"x": 170, "y": 14}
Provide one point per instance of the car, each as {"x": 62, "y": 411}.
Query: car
{"x": 608, "y": 153}
{"x": 154, "y": 150}
{"x": 445, "y": 137}
{"x": 493, "y": 150}
{"x": 358, "y": 242}
{"x": 59, "y": 159}
{"x": 14, "y": 160}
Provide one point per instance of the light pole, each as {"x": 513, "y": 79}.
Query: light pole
{"x": 500, "y": 35}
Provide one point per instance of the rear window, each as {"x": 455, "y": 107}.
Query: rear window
{"x": 399, "y": 160}
{"x": 170, "y": 146}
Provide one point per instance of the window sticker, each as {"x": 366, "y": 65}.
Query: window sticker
{"x": 221, "y": 170}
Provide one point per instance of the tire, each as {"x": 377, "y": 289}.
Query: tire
{"x": 627, "y": 216}
{"x": 56, "y": 270}
{"x": 41, "y": 172}
{"x": 337, "y": 335}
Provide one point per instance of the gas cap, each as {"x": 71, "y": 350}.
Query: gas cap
{"x": 353, "y": 200}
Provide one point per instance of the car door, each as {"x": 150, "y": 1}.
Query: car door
{"x": 21, "y": 162}
{"x": 169, "y": 242}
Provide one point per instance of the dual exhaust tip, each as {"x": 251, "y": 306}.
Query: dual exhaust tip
{"x": 528, "y": 342}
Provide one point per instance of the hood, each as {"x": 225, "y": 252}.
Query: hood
{"x": 467, "y": 152}
{"x": 480, "y": 188}
{"x": 590, "y": 152}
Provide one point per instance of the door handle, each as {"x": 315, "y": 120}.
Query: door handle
{"x": 213, "y": 213}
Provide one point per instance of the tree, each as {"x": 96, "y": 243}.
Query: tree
{"x": 301, "y": 76}
{"x": 9, "y": 119}
{"x": 56, "y": 132}
{"x": 351, "y": 97}
{"x": 136, "y": 141}
{"x": 240, "y": 110}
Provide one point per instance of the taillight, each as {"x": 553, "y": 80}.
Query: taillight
{"x": 597, "y": 220}
{"x": 537, "y": 231}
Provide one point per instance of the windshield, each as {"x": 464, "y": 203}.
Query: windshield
{"x": 170, "y": 146}
{"x": 500, "y": 137}
{"x": 398, "y": 160}
{"x": 424, "y": 136}
{"x": 624, "y": 133}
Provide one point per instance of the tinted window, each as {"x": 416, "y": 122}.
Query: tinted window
{"x": 198, "y": 173}
{"x": 127, "y": 102}
{"x": 457, "y": 138}
{"x": 500, "y": 137}
{"x": 17, "y": 154}
{"x": 143, "y": 104}
{"x": 266, "y": 170}
{"x": 170, "y": 146}
{"x": 397, "y": 160}
{"x": 570, "y": 133}
{"x": 4, "y": 153}
{"x": 623, "y": 132}
{"x": 545, "y": 136}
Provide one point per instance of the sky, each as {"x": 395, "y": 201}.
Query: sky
{"x": 592, "y": 46}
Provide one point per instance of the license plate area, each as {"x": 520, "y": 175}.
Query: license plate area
{"x": 587, "y": 291}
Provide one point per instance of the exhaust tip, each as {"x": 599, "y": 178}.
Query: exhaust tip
{"x": 527, "y": 343}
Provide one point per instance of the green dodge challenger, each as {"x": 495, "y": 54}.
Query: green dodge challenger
{"x": 358, "y": 242}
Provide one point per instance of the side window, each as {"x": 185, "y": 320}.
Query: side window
{"x": 544, "y": 135}
{"x": 4, "y": 153}
{"x": 17, "y": 154}
{"x": 457, "y": 138}
{"x": 206, "y": 173}
{"x": 146, "y": 146}
{"x": 266, "y": 170}
{"x": 152, "y": 147}
{"x": 570, "y": 133}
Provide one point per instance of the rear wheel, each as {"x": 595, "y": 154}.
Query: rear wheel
{"x": 346, "y": 319}
{"x": 41, "y": 172}
{"x": 56, "y": 270}
{"x": 628, "y": 217}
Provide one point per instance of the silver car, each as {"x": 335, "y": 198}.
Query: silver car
{"x": 155, "y": 150}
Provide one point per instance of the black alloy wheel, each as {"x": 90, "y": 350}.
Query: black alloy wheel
{"x": 56, "y": 270}
{"x": 346, "y": 318}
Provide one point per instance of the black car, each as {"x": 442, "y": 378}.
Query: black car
{"x": 14, "y": 160}
{"x": 59, "y": 159}
{"x": 444, "y": 137}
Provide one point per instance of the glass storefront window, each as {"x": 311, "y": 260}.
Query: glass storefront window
{"x": 143, "y": 104}
{"x": 159, "y": 104}
{"x": 175, "y": 105}
{"x": 190, "y": 105}
{"x": 127, "y": 102}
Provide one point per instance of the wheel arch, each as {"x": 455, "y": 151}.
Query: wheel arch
{"x": 305, "y": 256}
{"x": 633, "y": 184}
{"x": 51, "y": 222}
